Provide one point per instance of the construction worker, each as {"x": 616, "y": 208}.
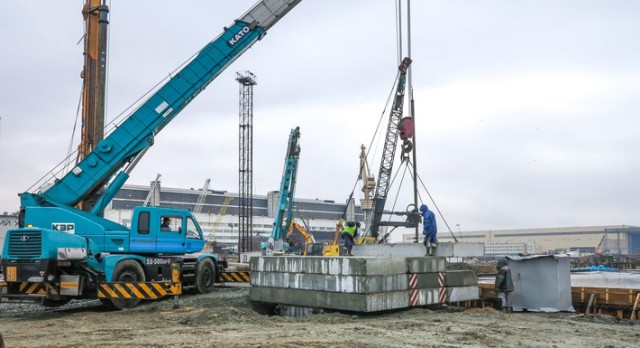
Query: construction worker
{"x": 349, "y": 233}
{"x": 430, "y": 230}
{"x": 504, "y": 284}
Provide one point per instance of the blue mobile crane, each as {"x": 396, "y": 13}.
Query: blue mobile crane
{"x": 60, "y": 252}
{"x": 276, "y": 243}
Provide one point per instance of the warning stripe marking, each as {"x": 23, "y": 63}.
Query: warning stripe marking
{"x": 121, "y": 290}
{"x": 32, "y": 288}
{"x": 135, "y": 291}
{"x": 235, "y": 277}
{"x": 442, "y": 290}
{"x": 441, "y": 279}
{"x": 159, "y": 288}
{"x": 413, "y": 281}
{"x": 148, "y": 291}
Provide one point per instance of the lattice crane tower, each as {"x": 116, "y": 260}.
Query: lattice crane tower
{"x": 245, "y": 205}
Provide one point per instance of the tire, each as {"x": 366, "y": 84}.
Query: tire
{"x": 205, "y": 276}
{"x": 126, "y": 271}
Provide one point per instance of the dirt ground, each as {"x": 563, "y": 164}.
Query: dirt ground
{"x": 227, "y": 318}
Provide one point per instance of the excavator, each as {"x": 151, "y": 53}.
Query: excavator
{"x": 311, "y": 248}
{"x": 61, "y": 252}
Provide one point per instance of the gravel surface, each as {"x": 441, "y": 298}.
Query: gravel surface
{"x": 227, "y": 318}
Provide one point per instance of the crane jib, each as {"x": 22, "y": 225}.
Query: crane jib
{"x": 137, "y": 131}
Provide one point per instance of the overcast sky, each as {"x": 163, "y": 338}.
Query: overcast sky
{"x": 526, "y": 111}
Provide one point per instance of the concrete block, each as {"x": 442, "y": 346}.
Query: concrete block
{"x": 424, "y": 297}
{"x": 426, "y": 264}
{"x": 332, "y": 300}
{"x": 426, "y": 280}
{"x": 417, "y": 250}
{"x": 332, "y": 283}
{"x": 390, "y": 250}
{"x": 329, "y": 265}
{"x": 463, "y": 293}
{"x": 461, "y": 278}
{"x": 460, "y": 249}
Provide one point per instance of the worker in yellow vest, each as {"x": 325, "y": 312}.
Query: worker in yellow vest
{"x": 349, "y": 233}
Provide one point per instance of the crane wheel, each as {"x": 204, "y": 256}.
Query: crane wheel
{"x": 126, "y": 271}
{"x": 205, "y": 276}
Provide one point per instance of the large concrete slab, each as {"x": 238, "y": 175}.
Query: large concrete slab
{"x": 388, "y": 250}
{"x": 417, "y": 250}
{"x": 461, "y": 278}
{"x": 333, "y": 300}
{"x": 330, "y": 265}
{"x": 425, "y": 297}
{"x": 460, "y": 249}
{"x": 463, "y": 293}
{"x": 426, "y": 264}
{"x": 332, "y": 283}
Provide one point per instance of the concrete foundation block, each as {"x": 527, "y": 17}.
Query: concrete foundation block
{"x": 390, "y": 250}
{"x": 463, "y": 293}
{"x": 461, "y": 278}
{"x": 460, "y": 249}
{"x": 332, "y": 283}
{"x": 426, "y": 280}
{"x": 418, "y": 249}
{"x": 423, "y": 297}
{"x": 426, "y": 264}
{"x": 329, "y": 265}
{"x": 332, "y": 300}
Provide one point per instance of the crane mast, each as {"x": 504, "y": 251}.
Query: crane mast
{"x": 95, "y": 13}
{"x": 284, "y": 213}
{"x": 389, "y": 150}
{"x": 368, "y": 183}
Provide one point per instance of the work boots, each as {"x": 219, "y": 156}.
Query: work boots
{"x": 431, "y": 251}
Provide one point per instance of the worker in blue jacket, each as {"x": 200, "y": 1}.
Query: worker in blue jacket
{"x": 430, "y": 230}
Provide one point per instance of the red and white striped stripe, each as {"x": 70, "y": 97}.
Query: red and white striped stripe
{"x": 413, "y": 294}
{"x": 442, "y": 290}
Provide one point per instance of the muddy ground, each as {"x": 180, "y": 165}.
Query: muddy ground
{"x": 226, "y": 318}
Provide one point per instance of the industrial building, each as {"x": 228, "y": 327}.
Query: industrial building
{"x": 218, "y": 213}
{"x": 614, "y": 239}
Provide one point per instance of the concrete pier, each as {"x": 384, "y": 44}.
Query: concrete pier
{"x": 358, "y": 284}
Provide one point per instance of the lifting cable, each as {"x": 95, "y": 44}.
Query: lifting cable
{"x": 384, "y": 111}
{"x": 435, "y": 205}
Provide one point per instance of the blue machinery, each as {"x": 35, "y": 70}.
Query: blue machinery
{"x": 61, "y": 252}
{"x": 284, "y": 213}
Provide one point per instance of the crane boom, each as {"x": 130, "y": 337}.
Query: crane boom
{"x": 138, "y": 131}
{"x": 389, "y": 150}
{"x": 77, "y": 254}
{"x": 284, "y": 212}
{"x": 202, "y": 197}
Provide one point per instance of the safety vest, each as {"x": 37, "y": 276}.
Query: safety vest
{"x": 349, "y": 230}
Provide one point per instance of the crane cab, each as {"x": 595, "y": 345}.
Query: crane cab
{"x": 164, "y": 231}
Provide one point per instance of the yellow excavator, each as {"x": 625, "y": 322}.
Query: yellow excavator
{"x": 334, "y": 248}
{"x": 311, "y": 248}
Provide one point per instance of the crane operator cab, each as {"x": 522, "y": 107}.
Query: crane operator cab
{"x": 162, "y": 230}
